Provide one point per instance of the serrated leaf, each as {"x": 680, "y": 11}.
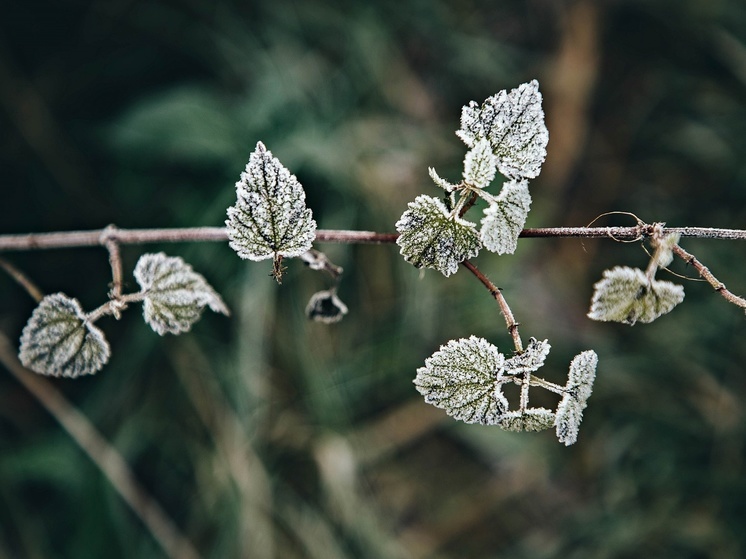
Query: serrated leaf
{"x": 578, "y": 389}
{"x": 530, "y": 360}
{"x": 532, "y": 419}
{"x": 464, "y": 377}
{"x": 442, "y": 183}
{"x": 58, "y": 341}
{"x": 505, "y": 217}
{"x": 480, "y": 165}
{"x": 270, "y": 218}
{"x": 627, "y": 295}
{"x": 174, "y": 294}
{"x": 513, "y": 123}
{"x": 325, "y": 306}
{"x": 430, "y": 237}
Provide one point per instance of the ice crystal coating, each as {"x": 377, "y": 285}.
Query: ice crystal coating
{"x": 432, "y": 238}
{"x": 464, "y": 377}
{"x": 578, "y": 389}
{"x": 505, "y": 217}
{"x": 442, "y": 183}
{"x": 59, "y": 341}
{"x": 532, "y": 419}
{"x": 513, "y": 123}
{"x": 480, "y": 165}
{"x": 627, "y": 295}
{"x": 664, "y": 249}
{"x": 174, "y": 294}
{"x": 326, "y": 307}
{"x": 530, "y": 360}
{"x": 270, "y": 218}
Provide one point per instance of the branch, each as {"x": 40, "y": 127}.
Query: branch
{"x": 99, "y": 237}
{"x": 709, "y": 277}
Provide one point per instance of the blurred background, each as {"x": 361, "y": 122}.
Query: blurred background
{"x": 265, "y": 435}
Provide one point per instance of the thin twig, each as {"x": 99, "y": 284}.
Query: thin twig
{"x": 504, "y": 308}
{"x": 109, "y": 240}
{"x": 22, "y": 280}
{"x": 709, "y": 277}
{"x": 104, "y": 455}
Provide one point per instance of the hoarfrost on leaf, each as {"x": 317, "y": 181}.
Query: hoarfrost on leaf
{"x": 270, "y": 218}
{"x": 664, "y": 249}
{"x": 480, "y": 165}
{"x": 174, "y": 294}
{"x": 532, "y": 419}
{"x": 530, "y": 360}
{"x": 442, "y": 183}
{"x": 505, "y": 217}
{"x": 464, "y": 377}
{"x": 627, "y": 295}
{"x": 59, "y": 341}
{"x": 578, "y": 389}
{"x": 430, "y": 237}
{"x": 325, "y": 306}
{"x": 513, "y": 123}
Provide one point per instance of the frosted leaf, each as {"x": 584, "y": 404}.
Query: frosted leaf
{"x": 505, "y": 217}
{"x": 532, "y": 419}
{"x": 664, "y": 249}
{"x": 463, "y": 377}
{"x": 270, "y": 218}
{"x": 480, "y": 165}
{"x": 432, "y": 238}
{"x": 578, "y": 389}
{"x": 59, "y": 341}
{"x": 442, "y": 183}
{"x": 174, "y": 294}
{"x": 530, "y": 360}
{"x": 326, "y": 307}
{"x": 513, "y": 123}
{"x": 627, "y": 295}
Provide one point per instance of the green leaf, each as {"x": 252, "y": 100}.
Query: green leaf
{"x": 513, "y": 123}
{"x": 432, "y": 238}
{"x": 270, "y": 218}
{"x": 532, "y": 419}
{"x": 627, "y": 295}
{"x": 463, "y": 377}
{"x": 578, "y": 389}
{"x": 59, "y": 341}
{"x": 505, "y": 217}
{"x": 480, "y": 165}
{"x": 530, "y": 360}
{"x": 174, "y": 294}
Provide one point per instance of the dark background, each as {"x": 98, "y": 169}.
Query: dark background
{"x": 264, "y": 435}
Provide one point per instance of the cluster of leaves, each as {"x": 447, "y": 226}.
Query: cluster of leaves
{"x": 506, "y": 133}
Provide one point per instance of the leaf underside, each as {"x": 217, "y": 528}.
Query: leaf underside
{"x": 532, "y": 419}
{"x": 505, "y": 217}
{"x": 578, "y": 389}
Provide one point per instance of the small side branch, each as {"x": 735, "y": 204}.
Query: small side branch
{"x": 504, "y": 308}
{"x": 709, "y": 277}
{"x": 109, "y": 240}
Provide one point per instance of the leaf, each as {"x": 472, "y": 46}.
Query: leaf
{"x": 530, "y": 360}
{"x": 270, "y": 218}
{"x": 480, "y": 165}
{"x": 463, "y": 377}
{"x": 442, "y": 183}
{"x": 174, "y": 294}
{"x": 326, "y": 307}
{"x": 627, "y": 295}
{"x": 578, "y": 389}
{"x": 505, "y": 217}
{"x": 432, "y": 238}
{"x": 532, "y": 419}
{"x": 513, "y": 123}
{"x": 59, "y": 341}
{"x": 664, "y": 249}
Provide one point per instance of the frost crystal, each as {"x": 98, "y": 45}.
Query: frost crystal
{"x": 326, "y": 307}
{"x": 530, "y": 360}
{"x": 532, "y": 419}
{"x": 578, "y": 389}
{"x": 175, "y": 295}
{"x": 627, "y": 295}
{"x": 432, "y": 238}
{"x": 513, "y": 123}
{"x": 505, "y": 217}
{"x": 480, "y": 165}
{"x": 464, "y": 379}
{"x": 58, "y": 340}
{"x": 442, "y": 183}
{"x": 270, "y": 218}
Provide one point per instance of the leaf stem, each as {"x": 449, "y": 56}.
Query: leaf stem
{"x": 504, "y": 308}
{"x": 109, "y": 240}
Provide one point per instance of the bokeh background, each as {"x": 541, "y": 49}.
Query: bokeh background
{"x": 265, "y": 435}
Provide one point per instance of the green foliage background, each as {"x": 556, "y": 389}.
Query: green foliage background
{"x": 264, "y": 435}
